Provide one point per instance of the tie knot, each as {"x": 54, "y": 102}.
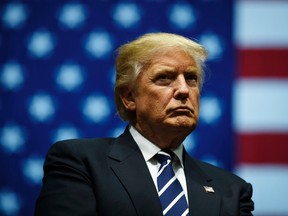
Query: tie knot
{"x": 163, "y": 156}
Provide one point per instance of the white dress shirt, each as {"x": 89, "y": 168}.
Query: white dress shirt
{"x": 149, "y": 149}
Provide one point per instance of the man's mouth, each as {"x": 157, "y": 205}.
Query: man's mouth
{"x": 182, "y": 111}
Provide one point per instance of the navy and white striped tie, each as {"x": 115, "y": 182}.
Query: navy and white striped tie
{"x": 170, "y": 192}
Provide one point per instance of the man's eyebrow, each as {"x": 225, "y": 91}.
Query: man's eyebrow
{"x": 192, "y": 69}
{"x": 164, "y": 68}
{"x": 170, "y": 69}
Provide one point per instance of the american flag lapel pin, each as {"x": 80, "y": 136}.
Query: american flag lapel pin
{"x": 208, "y": 189}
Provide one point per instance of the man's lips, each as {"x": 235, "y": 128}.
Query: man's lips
{"x": 182, "y": 110}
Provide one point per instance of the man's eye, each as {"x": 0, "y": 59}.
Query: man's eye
{"x": 191, "y": 79}
{"x": 162, "y": 76}
{"x": 163, "y": 79}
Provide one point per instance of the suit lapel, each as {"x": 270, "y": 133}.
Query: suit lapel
{"x": 200, "y": 201}
{"x": 129, "y": 165}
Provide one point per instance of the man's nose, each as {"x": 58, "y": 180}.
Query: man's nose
{"x": 181, "y": 88}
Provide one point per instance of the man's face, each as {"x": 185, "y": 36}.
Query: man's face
{"x": 167, "y": 94}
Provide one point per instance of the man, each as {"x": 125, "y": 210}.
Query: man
{"x": 146, "y": 170}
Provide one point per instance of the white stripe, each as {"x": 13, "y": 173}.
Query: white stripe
{"x": 261, "y": 23}
{"x": 270, "y": 187}
{"x": 160, "y": 171}
{"x": 173, "y": 202}
{"x": 185, "y": 212}
{"x": 260, "y": 105}
{"x": 166, "y": 186}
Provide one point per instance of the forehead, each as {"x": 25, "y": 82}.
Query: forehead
{"x": 173, "y": 59}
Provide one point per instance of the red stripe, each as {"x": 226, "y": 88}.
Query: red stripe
{"x": 263, "y": 63}
{"x": 262, "y": 148}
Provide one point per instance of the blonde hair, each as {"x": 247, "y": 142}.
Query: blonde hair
{"x": 137, "y": 55}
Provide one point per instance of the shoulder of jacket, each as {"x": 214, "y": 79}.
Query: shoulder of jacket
{"x": 78, "y": 146}
{"x": 218, "y": 172}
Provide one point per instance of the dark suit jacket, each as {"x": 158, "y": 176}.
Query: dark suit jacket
{"x": 110, "y": 177}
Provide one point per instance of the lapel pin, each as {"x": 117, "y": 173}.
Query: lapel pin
{"x": 209, "y": 189}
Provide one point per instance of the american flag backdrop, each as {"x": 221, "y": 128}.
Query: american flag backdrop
{"x": 57, "y": 75}
{"x": 260, "y": 101}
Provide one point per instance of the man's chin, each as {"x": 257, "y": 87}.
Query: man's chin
{"x": 183, "y": 124}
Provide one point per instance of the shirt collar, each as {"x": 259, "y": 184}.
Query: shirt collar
{"x": 149, "y": 149}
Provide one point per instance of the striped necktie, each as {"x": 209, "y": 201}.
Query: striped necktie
{"x": 170, "y": 192}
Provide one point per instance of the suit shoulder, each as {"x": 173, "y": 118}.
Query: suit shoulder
{"x": 86, "y": 141}
{"x": 219, "y": 173}
{"x": 85, "y": 145}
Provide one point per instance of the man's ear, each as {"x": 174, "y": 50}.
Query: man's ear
{"x": 127, "y": 97}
